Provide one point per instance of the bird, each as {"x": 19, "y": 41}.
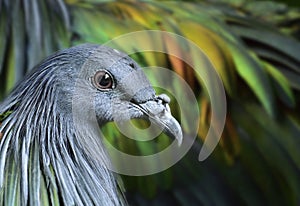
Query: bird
{"x": 254, "y": 46}
{"x": 50, "y": 147}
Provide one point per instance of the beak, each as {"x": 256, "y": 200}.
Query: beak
{"x": 158, "y": 111}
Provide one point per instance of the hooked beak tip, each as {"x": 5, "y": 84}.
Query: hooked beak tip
{"x": 159, "y": 111}
{"x": 179, "y": 138}
{"x": 173, "y": 129}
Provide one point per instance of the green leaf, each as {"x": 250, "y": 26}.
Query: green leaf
{"x": 4, "y": 29}
{"x": 282, "y": 85}
{"x": 284, "y": 44}
{"x": 4, "y": 115}
{"x": 249, "y": 68}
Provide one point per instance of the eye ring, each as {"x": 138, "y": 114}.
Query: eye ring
{"x": 103, "y": 80}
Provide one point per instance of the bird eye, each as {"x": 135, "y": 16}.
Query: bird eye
{"x": 103, "y": 80}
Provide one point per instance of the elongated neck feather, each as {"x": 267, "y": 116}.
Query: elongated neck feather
{"x": 43, "y": 158}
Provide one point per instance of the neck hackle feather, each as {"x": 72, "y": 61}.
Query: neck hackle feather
{"x": 43, "y": 161}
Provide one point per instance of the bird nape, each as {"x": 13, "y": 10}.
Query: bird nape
{"x": 51, "y": 150}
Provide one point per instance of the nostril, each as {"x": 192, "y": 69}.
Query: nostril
{"x": 143, "y": 95}
{"x": 134, "y": 101}
{"x": 139, "y": 101}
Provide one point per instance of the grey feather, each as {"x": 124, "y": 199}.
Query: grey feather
{"x": 39, "y": 136}
{"x": 51, "y": 143}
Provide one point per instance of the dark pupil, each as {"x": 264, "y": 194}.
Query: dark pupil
{"x": 105, "y": 81}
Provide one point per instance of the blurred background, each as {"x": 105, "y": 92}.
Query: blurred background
{"x": 255, "y": 48}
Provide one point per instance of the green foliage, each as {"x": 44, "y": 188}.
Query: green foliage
{"x": 254, "y": 47}
{"x": 4, "y": 115}
{"x": 29, "y": 32}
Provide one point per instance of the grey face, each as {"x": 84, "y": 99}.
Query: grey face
{"x": 121, "y": 91}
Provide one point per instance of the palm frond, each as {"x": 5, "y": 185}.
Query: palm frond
{"x": 254, "y": 47}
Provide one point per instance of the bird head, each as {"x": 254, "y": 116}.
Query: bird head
{"x": 115, "y": 88}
